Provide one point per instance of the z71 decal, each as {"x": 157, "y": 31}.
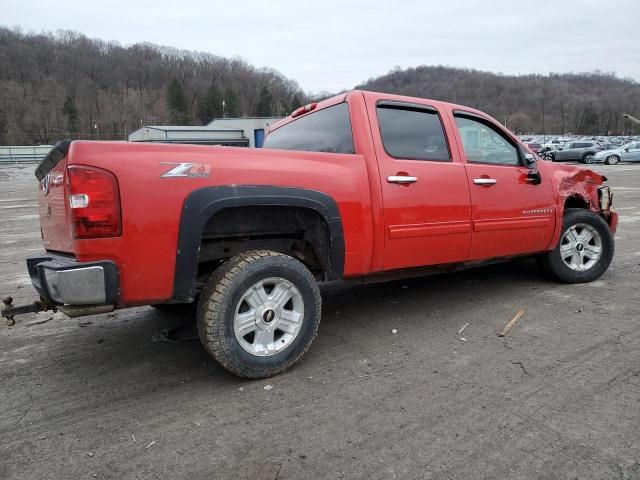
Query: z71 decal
{"x": 189, "y": 170}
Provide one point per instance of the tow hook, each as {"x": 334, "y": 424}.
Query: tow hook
{"x": 9, "y": 311}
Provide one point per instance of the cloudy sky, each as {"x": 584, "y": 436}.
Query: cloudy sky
{"x": 332, "y": 45}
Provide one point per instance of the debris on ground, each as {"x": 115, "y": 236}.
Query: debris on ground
{"x": 521, "y": 366}
{"x": 89, "y": 454}
{"x": 579, "y": 310}
{"x": 133, "y": 437}
{"x": 268, "y": 387}
{"x": 462, "y": 339}
{"x": 39, "y": 322}
{"x": 510, "y": 325}
{"x": 241, "y": 389}
{"x": 85, "y": 324}
{"x": 394, "y": 331}
{"x": 463, "y": 328}
{"x": 151, "y": 444}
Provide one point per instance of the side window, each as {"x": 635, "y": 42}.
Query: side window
{"x": 412, "y": 134}
{"x": 484, "y": 144}
{"x": 327, "y": 130}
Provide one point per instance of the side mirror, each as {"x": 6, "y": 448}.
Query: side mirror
{"x": 529, "y": 160}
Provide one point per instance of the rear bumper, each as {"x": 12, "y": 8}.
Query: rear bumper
{"x": 62, "y": 281}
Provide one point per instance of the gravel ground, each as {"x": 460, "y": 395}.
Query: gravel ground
{"x": 559, "y": 397}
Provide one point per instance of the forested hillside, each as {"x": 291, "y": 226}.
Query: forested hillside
{"x": 66, "y": 85}
{"x": 590, "y": 104}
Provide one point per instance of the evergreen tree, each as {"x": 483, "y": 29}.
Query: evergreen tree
{"x": 177, "y": 102}
{"x": 70, "y": 114}
{"x": 295, "y": 103}
{"x": 265, "y": 103}
{"x": 211, "y": 105}
{"x": 232, "y": 103}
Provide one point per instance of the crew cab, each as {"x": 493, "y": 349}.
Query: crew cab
{"x": 362, "y": 185}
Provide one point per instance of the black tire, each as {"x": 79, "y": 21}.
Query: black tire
{"x": 549, "y": 156}
{"x": 554, "y": 264}
{"x": 221, "y": 296}
{"x": 612, "y": 160}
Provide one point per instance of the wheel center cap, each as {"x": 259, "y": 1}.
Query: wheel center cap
{"x": 268, "y": 316}
{"x": 579, "y": 247}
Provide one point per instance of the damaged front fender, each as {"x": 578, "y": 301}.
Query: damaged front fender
{"x": 582, "y": 188}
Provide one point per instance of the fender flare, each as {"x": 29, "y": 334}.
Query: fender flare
{"x": 200, "y": 205}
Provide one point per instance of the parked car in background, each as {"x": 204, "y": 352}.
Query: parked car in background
{"x": 583, "y": 151}
{"x": 534, "y": 147}
{"x": 627, "y": 153}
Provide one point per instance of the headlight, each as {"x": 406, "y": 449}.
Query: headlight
{"x": 605, "y": 198}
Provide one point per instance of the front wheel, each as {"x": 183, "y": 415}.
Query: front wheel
{"x": 588, "y": 158}
{"x": 585, "y": 249}
{"x": 259, "y": 313}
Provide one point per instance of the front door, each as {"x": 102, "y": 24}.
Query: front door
{"x": 427, "y": 212}
{"x": 632, "y": 153}
{"x": 511, "y": 214}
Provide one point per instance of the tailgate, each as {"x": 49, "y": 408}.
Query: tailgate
{"x": 52, "y": 199}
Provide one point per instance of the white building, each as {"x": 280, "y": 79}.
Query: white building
{"x": 237, "y": 132}
{"x": 254, "y": 128}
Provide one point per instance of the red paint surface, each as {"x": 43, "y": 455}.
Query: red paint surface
{"x": 442, "y": 218}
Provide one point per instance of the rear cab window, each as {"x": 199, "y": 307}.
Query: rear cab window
{"x": 327, "y": 130}
{"x": 412, "y": 132}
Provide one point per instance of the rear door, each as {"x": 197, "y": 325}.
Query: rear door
{"x": 426, "y": 204}
{"x": 511, "y": 215}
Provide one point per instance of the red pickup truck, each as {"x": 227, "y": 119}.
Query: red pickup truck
{"x": 360, "y": 185}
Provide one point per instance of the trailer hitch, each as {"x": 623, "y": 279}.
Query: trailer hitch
{"x": 9, "y": 311}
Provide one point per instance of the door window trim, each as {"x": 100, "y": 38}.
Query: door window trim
{"x": 413, "y": 107}
{"x": 488, "y": 123}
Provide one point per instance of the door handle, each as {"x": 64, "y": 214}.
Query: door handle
{"x": 485, "y": 181}
{"x": 401, "y": 179}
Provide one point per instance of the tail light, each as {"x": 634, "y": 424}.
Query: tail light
{"x": 94, "y": 202}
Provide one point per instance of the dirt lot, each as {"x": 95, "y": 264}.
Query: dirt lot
{"x": 559, "y": 397}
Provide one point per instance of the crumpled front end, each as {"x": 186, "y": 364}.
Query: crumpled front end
{"x": 577, "y": 184}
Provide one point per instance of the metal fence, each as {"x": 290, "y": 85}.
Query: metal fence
{"x": 23, "y": 154}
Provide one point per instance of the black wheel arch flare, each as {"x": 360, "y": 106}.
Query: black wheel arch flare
{"x": 200, "y": 205}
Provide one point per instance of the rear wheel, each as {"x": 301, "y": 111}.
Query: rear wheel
{"x": 259, "y": 313}
{"x": 612, "y": 160}
{"x": 585, "y": 249}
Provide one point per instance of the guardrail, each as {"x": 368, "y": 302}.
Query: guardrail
{"x": 23, "y": 154}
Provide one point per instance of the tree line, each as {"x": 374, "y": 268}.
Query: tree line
{"x": 584, "y": 104}
{"x": 65, "y": 85}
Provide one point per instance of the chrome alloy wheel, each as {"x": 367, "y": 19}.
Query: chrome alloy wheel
{"x": 581, "y": 247}
{"x": 268, "y": 316}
